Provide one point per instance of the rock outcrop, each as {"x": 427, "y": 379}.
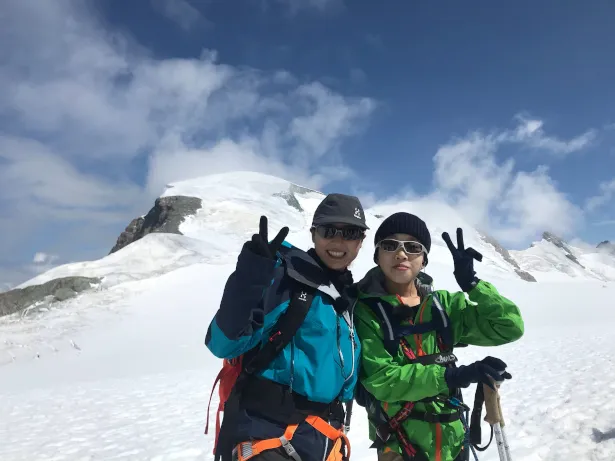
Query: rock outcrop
{"x": 507, "y": 257}
{"x": 291, "y": 200}
{"x": 290, "y": 195}
{"x": 558, "y": 242}
{"x": 55, "y": 290}
{"x": 607, "y": 246}
{"x": 166, "y": 216}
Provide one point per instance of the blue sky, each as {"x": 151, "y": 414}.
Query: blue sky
{"x": 505, "y": 111}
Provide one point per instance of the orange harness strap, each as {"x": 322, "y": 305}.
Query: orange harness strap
{"x": 247, "y": 450}
{"x": 331, "y": 433}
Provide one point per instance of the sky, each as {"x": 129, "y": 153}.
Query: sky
{"x": 505, "y": 111}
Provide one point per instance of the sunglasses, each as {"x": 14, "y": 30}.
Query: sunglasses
{"x": 347, "y": 233}
{"x": 410, "y": 247}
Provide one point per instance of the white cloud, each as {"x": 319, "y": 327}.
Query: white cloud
{"x": 533, "y": 204}
{"x": 530, "y": 132}
{"x": 607, "y": 191}
{"x": 41, "y": 258}
{"x": 80, "y": 104}
{"x": 180, "y": 12}
{"x": 42, "y": 262}
{"x": 102, "y": 96}
{"x": 512, "y": 205}
{"x": 36, "y": 175}
{"x": 328, "y": 117}
{"x": 467, "y": 174}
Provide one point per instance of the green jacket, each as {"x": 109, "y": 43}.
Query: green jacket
{"x": 489, "y": 320}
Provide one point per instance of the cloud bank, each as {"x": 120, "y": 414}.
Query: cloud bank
{"x": 511, "y": 204}
{"x": 84, "y": 109}
{"x": 607, "y": 191}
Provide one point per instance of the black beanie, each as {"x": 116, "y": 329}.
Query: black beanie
{"x": 404, "y": 223}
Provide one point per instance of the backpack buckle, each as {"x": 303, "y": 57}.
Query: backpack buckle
{"x": 290, "y": 450}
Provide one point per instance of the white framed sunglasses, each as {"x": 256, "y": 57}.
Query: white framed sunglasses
{"x": 411, "y": 247}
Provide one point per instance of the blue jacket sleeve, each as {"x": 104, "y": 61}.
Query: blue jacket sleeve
{"x": 238, "y": 324}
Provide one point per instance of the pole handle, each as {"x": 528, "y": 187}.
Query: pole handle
{"x": 493, "y": 407}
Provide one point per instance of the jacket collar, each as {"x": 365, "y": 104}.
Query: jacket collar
{"x": 300, "y": 266}
{"x": 304, "y": 267}
{"x": 372, "y": 285}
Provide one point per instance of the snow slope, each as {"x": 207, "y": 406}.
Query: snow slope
{"x": 122, "y": 372}
{"x": 547, "y": 261}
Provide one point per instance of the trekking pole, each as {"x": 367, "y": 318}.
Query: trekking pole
{"x": 493, "y": 415}
{"x": 348, "y": 417}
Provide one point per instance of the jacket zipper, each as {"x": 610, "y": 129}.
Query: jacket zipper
{"x": 292, "y": 363}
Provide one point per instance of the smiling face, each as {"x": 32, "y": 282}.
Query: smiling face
{"x": 336, "y": 252}
{"x": 399, "y": 266}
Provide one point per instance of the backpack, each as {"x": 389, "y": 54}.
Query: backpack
{"x": 235, "y": 371}
{"x": 231, "y": 368}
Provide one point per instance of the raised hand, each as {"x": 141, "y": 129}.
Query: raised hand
{"x": 260, "y": 244}
{"x": 463, "y": 259}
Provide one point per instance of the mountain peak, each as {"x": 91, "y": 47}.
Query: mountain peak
{"x": 561, "y": 243}
{"x": 607, "y": 246}
{"x": 551, "y": 237}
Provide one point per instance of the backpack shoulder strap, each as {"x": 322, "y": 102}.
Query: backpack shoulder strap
{"x": 284, "y": 329}
{"x": 383, "y": 311}
{"x": 444, "y": 329}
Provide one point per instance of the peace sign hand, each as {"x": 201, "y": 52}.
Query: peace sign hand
{"x": 260, "y": 244}
{"x": 463, "y": 259}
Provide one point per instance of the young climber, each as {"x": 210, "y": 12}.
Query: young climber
{"x": 407, "y": 334}
{"x": 289, "y": 313}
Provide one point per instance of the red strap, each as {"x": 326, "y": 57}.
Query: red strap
{"x": 405, "y": 347}
{"x": 220, "y": 373}
{"x": 438, "y": 442}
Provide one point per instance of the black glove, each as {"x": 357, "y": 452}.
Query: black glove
{"x": 259, "y": 244}
{"x": 484, "y": 371}
{"x": 463, "y": 259}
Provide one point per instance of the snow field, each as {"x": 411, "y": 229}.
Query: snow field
{"x": 138, "y": 387}
{"x": 121, "y": 373}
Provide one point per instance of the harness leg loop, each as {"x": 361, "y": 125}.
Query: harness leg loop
{"x": 290, "y": 450}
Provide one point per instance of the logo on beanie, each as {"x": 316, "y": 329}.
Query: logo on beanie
{"x": 357, "y": 213}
